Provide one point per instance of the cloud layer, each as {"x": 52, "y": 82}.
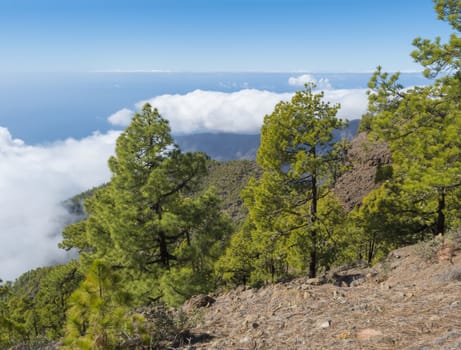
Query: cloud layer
{"x": 240, "y": 112}
{"x": 34, "y": 180}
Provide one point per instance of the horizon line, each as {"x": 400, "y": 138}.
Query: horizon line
{"x": 160, "y": 71}
{"x": 166, "y": 71}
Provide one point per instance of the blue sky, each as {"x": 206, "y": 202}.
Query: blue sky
{"x": 213, "y": 35}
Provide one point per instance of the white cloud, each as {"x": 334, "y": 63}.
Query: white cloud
{"x": 301, "y": 80}
{"x": 34, "y": 180}
{"x": 6, "y": 140}
{"x": 354, "y": 102}
{"x": 242, "y": 111}
{"x": 121, "y": 117}
{"x": 322, "y": 83}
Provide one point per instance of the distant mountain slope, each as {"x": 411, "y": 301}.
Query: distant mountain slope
{"x": 222, "y": 146}
{"x": 227, "y": 178}
{"x": 228, "y": 146}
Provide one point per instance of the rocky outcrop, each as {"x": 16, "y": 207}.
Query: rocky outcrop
{"x": 367, "y": 161}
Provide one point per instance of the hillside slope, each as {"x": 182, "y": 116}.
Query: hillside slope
{"x": 227, "y": 178}
{"x": 410, "y": 301}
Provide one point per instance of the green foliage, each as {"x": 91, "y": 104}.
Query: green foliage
{"x": 32, "y": 310}
{"x": 450, "y": 11}
{"x": 365, "y": 123}
{"x": 434, "y": 55}
{"x": 386, "y": 220}
{"x": 236, "y": 266}
{"x": 10, "y": 331}
{"x": 207, "y": 232}
{"x": 97, "y": 313}
{"x": 74, "y": 236}
{"x": 383, "y": 173}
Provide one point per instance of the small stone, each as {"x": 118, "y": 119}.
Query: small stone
{"x": 245, "y": 340}
{"x": 322, "y": 324}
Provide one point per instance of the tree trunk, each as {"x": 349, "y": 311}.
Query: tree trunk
{"x": 371, "y": 251}
{"x": 164, "y": 256}
{"x": 313, "y": 263}
{"x": 313, "y": 252}
{"x": 440, "y": 225}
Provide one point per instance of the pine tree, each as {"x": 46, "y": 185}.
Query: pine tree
{"x": 422, "y": 127}
{"x": 150, "y": 177}
{"x": 146, "y": 229}
{"x": 297, "y": 162}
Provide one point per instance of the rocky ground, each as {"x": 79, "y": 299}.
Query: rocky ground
{"x": 410, "y": 301}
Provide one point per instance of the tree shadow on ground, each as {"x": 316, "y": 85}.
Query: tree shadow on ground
{"x": 187, "y": 338}
{"x": 342, "y": 280}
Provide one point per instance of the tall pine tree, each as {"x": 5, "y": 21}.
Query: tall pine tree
{"x": 286, "y": 220}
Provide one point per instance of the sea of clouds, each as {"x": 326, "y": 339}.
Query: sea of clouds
{"x": 36, "y": 179}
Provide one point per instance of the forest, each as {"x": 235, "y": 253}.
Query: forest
{"x": 170, "y": 225}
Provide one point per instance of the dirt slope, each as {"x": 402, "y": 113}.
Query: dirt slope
{"x": 410, "y": 301}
